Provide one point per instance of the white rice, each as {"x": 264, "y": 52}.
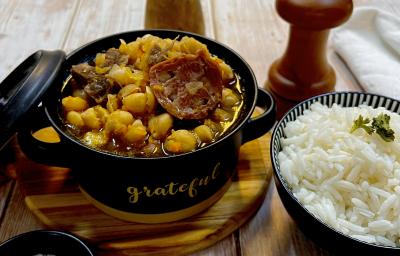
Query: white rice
{"x": 351, "y": 181}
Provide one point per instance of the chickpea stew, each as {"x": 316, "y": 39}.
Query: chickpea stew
{"x": 151, "y": 97}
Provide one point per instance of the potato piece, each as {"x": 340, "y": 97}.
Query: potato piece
{"x": 226, "y": 70}
{"x": 204, "y": 133}
{"x": 124, "y": 75}
{"x": 229, "y": 98}
{"x": 151, "y": 47}
{"x": 215, "y": 127}
{"x": 180, "y": 141}
{"x": 91, "y": 119}
{"x": 221, "y": 115}
{"x": 74, "y": 104}
{"x": 112, "y": 103}
{"x": 151, "y": 102}
{"x": 81, "y": 94}
{"x": 100, "y": 70}
{"x": 160, "y": 125}
{"x": 131, "y": 49}
{"x": 95, "y": 139}
{"x": 127, "y": 90}
{"x": 191, "y": 45}
{"x": 100, "y": 59}
{"x": 75, "y": 119}
{"x": 135, "y": 103}
{"x": 136, "y": 132}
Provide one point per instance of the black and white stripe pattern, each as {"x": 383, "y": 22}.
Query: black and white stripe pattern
{"x": 344, "y": 99}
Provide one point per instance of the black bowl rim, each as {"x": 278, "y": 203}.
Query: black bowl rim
{"x": 66, "y": 235}
{"x": 282, "y": 181}
{"x": 237, "y": 127}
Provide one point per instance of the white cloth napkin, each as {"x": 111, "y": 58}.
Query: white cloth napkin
{"x": 370, "y": 45}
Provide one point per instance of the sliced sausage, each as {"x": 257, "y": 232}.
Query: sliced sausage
{"x": 188, "y": 86}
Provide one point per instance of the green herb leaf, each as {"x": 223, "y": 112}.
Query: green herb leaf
{"x": 381, "y": 126}
{"x": 360, "y": 122}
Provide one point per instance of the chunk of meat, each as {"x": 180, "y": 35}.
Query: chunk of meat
{"x": 114, "y": 56}
{"x": 95, "y": 85}
{"x": 156, "y": 55}
{"x": 188, "y": 86}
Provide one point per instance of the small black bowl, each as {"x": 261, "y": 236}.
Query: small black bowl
{"x": 44, "y": 242}
{"x": 311, "y": 226}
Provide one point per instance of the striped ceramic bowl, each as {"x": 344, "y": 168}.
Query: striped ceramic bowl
{"x": 319, "y": 232}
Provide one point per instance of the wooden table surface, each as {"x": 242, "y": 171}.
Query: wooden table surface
{"x": 252, "y": 28}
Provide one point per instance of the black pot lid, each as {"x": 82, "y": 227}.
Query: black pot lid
{"x": 23, "y": 88}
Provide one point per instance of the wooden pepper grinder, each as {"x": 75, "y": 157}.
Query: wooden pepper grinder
{"x": 186, "y": 15}
{"x": 303, "y": 71}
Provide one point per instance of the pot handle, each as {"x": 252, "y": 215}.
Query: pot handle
{"x": 48, "y": 153}
{"x": 258, "y": 126}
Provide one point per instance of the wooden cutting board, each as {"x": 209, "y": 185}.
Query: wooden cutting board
{"x": 53, "y": 196}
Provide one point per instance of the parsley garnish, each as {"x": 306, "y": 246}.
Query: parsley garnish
{"x": 380, "y": 125}
{"x": 360, "y": 122}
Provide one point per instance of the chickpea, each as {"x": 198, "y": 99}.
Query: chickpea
{"x": 115, "y": 127}
{"x": 90, "y": 119}
{"x": 221, "y": 115}
{"x": 229, "y": 98}
{"x": 75, "y": 119}
{"x": 135, "y": 103}
{"x": 101, "y": 113}
{"x": 112, "y": 103}
{"x": 118, "y": 121}
{"x": 160, "y": 125}
{"x": 74, "y": 103}
{"x": 136, "y": 132}
{"x": 180, "y": 141}
{"x": 204, "y": 133}
{"x": 121, "y": 116}
{"x": 95, "y": 139}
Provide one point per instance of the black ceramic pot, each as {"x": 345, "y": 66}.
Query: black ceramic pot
{"x": 44, "y": 242}
{"x": 149, "y": 189}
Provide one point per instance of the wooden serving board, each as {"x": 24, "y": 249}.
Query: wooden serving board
{"x": 52, "y": 194}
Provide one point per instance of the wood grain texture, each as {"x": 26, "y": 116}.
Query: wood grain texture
{"x": 18, "y": 218}
{"x": 27, "y": 26}
{"x": 5, "y": 195}
{"x": 52, "y": 195}
{"x": 108, "y": 17}
{"x": 254, "y": 30}
{"x": 251, "y": 28}
{"x": 271, "y": 231}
